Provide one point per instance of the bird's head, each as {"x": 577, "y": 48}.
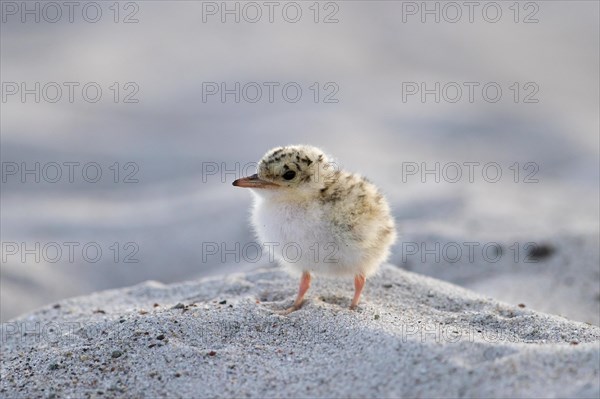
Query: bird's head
{"x": 296, "y": 169}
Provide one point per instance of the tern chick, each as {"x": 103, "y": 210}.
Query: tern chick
{"x": 320, "y": 220}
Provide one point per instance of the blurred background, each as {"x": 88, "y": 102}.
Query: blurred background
{"x": 123, "y": 125}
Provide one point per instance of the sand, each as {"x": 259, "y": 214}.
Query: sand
{"x": 412, "y": 336}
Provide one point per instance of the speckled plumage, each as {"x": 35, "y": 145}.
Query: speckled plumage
{"x": 321, "y": 220}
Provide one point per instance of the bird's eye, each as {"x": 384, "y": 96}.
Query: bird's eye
{"x": 289, "y": 175}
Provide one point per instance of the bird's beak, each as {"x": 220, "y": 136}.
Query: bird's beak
{"x": 253, "y": 182}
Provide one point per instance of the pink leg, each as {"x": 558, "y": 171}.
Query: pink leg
{"x": 359, "y": 283}
{"x": 304, "y": 286}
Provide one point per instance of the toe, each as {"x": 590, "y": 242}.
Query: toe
{"x": 289, "y": 310}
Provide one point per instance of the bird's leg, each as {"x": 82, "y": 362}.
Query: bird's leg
{"x": 304, "y": 286}
{"x": 359, "y": 283}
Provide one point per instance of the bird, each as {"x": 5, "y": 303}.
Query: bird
{"x": 321, "y": 220}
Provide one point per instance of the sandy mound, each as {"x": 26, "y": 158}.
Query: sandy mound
{"x": 412, "y": 336}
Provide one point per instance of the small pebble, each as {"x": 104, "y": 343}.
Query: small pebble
{"x": 116, "y": 354}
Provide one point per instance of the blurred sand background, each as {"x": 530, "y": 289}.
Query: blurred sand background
{"x": 171, "y": 133}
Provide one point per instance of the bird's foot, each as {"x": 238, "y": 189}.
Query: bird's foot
{"x": 291, "y": 309}
{"x": 359, "y": 283}
{"x": 304, "y": 285}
